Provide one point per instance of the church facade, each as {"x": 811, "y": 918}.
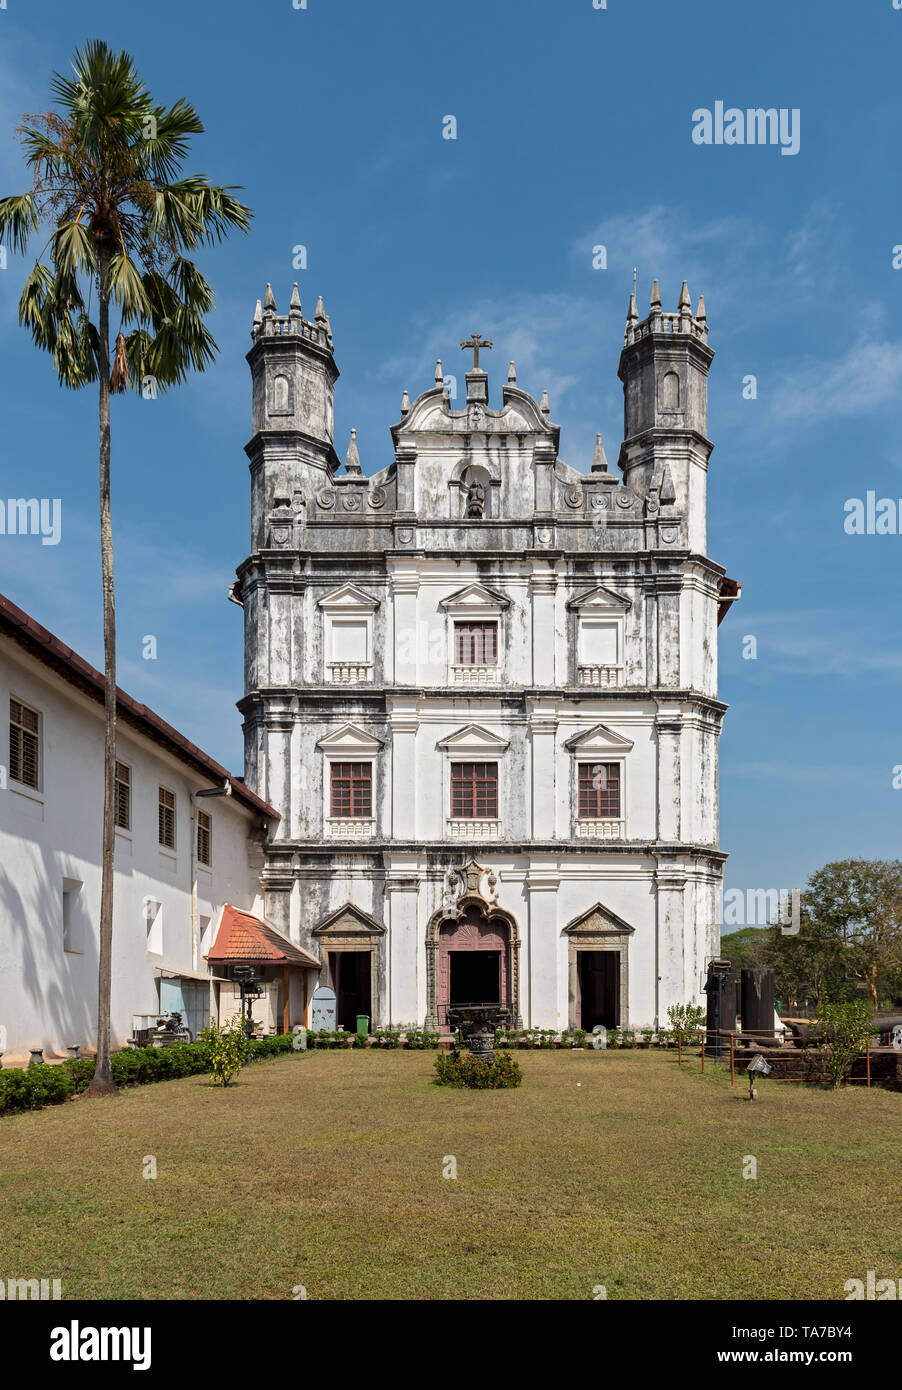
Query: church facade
{"x": 481, "y": 688}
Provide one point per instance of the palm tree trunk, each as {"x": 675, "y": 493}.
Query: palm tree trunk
{"x": 103, "y": 1084}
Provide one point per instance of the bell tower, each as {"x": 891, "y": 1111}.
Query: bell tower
{"x": 294, "y": 374}
{"x": 664, "y": 369}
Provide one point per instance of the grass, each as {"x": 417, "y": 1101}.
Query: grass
{"x": 325, "y": 1170}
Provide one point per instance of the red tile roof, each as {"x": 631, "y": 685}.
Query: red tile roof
{"x": 17, "y": 625}
{"x": 730, "y": 591}
{"x": 242, "y": 937}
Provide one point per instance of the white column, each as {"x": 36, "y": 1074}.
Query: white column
{"x": 404, "y": 722}
{"x": 277, "y": 764}
{"x": 542, "y": 586}
{"x": 402, "y": 891}
{"x": 667, "y": 729}
{"x": 405, "y": 585}
{"x": 673, "y": 987}
{"x": 538, "y": 985}
{"x": 543, "y": 728}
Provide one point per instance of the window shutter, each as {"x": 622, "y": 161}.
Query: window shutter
{"x": 598, "y": 644}
{"x": 123, "y": 796}
{"x": 349, "y": 641}
{"x": 167, "y": 818}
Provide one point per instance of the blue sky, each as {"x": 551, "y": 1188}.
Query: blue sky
{"x": 574, "y": 129}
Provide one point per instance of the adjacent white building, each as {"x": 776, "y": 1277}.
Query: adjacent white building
{"x": 481, "y": 688}
{"x": 189, "y": 841}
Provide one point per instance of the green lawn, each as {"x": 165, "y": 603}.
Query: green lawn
{"x": 325, "y": 1171}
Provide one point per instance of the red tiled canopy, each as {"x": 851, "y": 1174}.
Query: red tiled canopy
{"x": 242, "y": 937}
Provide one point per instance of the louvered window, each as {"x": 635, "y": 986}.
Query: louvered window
{"x": 204, "y": 838}
{"x": 24, "y": 744}
{"x": 476, "y": 644}
{"x": 167, "y": 818}
{"x": 599, "y": 791}
{"x": 123, "y": 796}
{"x": 351, "y": 788}
{"x": 474, "y": 791}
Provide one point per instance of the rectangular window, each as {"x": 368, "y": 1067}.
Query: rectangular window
{"x": 24, "y": 745}
{"x": 474, "y": 791}
{"x": 167, "y": 818}
{"x": 599, "y": 791}
{"x": 351, "y": 791}
{"x": 349, "y": 642}
{"x": 123, "y": 796}
{"x": 204, "y": 838}
{"x": 476, "y": 644}
{"x": 598, "y": 644}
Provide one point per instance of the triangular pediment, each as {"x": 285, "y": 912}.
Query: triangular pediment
{"x": 598, "y": 921}
{"x": 473, "y": 738}
{"x": 600, "y": 600}
{"x": 350, "y": 739}
{"x": 598, "y": 739}
{"x": 349, "y": 921}
{"x": 348, "y": 597}
{"x": 475, "y": 596}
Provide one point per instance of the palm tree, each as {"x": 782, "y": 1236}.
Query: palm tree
{"x": 106, "y": 166}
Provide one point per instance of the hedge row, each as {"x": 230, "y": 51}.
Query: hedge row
{"x": 32, "y": 1088}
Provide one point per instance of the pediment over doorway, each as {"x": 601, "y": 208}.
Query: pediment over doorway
{"x": 598, "y": 921}
{"x": 349, "y": 921}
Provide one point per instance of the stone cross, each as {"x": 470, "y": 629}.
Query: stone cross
{"x": 476, "y": 342}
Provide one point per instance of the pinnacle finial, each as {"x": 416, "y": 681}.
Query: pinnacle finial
{"x": 655, "y": 296}
{"x": 295, "y": 305}
{"x": 685, "y": 301}
{"x": 320, "y": 314}
{"x": 352, "y": 457}
{"x": 632, "y": 313}
{"x": 700, "y": 311}
{"x": 599, "y": 458}
{"x": 543, "y": 405}
{"x": 405, "y": 403}
{"x": 269, "y": 301}
{"x": 439, "y": 374}
{"x": 512, "y": 375}
{"x": 258, "y": 314}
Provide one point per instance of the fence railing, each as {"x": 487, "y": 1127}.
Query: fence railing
{"x": 722, "y": 1037}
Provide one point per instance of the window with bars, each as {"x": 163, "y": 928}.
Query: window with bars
{"x": 166, "y": 817}
{"x": 24, "y": 744}
{"x": 204, "y": 838}
{"x": 599, "y": 791}
{"x": 474, "y": 791}
{"x": 351, "y": 791}
{"x": 476, "y": 644}
{"x": 123, "y": 796}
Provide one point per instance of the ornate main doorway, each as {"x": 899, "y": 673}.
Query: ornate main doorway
{"x": 472, "y": 949}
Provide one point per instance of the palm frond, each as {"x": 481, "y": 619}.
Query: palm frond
{"x": 18, "y": 219}
{"x": 127, "y": 288}
{"x": 74, "y": 249}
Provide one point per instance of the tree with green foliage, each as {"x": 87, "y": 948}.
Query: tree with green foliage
{"x": 846, "y": 1025}
{"x": 106, "y": 186}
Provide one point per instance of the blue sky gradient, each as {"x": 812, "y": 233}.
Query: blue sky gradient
{"x": 574, "y": 129}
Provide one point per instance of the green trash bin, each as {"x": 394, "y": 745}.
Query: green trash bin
{"x": 363, "y": 1024}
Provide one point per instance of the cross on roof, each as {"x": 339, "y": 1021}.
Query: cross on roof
{"x": 476, "y": 342}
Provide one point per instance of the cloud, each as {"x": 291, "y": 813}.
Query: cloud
{"x": 821, "y": 642}
{"x": 869, "y": 375}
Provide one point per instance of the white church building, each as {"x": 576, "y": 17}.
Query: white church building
{"x": 481, "y": 688}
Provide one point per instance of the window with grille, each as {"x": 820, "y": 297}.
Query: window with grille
{"x": 204, "y": 838}
{"x": 474, "y": 791}
{"x": 167, "y": 818}
{"x": 123, "y": 796}
{"x": 476, "y": 644}
{"x": 24, "y": 744}
{"x": 351, "y": 791}
{"x": 599, "y": 791}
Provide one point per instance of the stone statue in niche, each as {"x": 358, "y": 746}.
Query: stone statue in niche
{"x": 476, "y": 499}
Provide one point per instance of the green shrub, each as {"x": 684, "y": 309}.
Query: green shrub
{"x": 688, "y": 1019}
{"x": 228, "y": 1049}
{"x": 579, "y": 1037}
{"x": 471, "y": 1073}
{"x": 847, "y": 1027}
